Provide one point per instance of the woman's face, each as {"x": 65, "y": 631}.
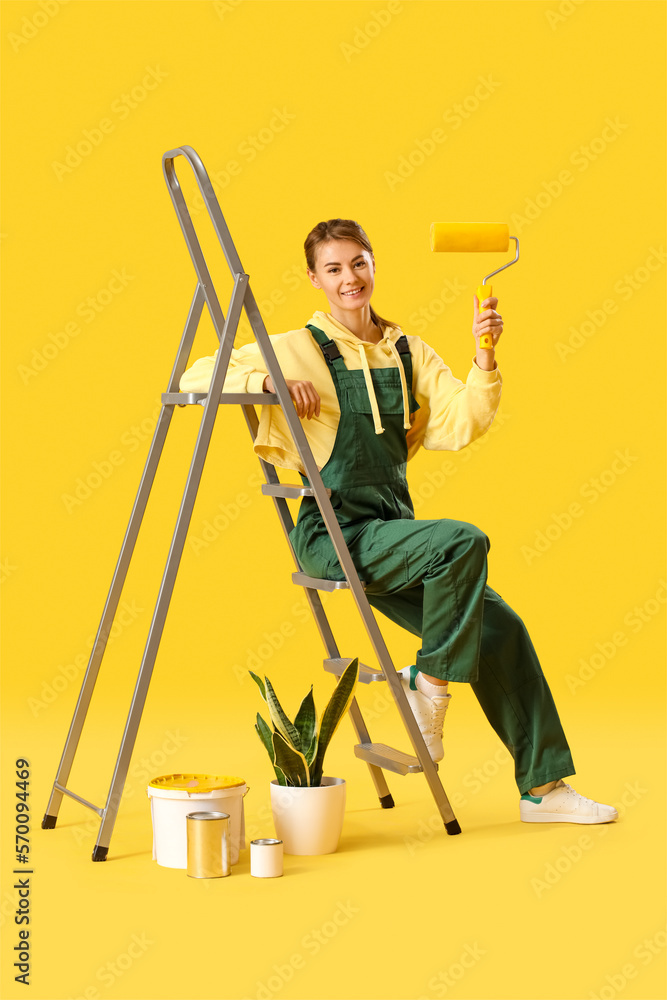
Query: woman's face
{"x": 343, "y": 267}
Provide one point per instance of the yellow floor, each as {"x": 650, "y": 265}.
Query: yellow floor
{"x": 505, "y": 910}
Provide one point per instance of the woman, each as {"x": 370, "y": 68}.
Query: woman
{"x": 370, "y": 397}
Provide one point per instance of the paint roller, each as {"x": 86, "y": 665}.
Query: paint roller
{"x": 466, "y": 237}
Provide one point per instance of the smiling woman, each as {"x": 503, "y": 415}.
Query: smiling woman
{"x": 341, "y": 262}
{"x": 370, "y": 396}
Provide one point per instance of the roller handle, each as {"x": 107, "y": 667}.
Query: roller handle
{"x": 483, "y": 292}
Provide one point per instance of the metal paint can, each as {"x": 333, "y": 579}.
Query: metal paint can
{"x": 266, "y": 858}
{"x": 208, "y": 845}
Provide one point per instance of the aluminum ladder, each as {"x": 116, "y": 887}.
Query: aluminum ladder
{"x": 379, "y": 757}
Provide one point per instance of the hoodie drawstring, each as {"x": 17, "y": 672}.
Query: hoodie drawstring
{"x": 377, "y": 422}
{"x": 379, "y": 429}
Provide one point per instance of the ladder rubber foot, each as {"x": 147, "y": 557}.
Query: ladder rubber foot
{"x": 387, "y": 801}
{"x": 49, "y": 822}
{"x": 452, "y": 827}
{"x": 100, "y": 853}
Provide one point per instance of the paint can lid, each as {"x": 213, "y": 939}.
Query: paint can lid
{"x": 195, "y": 784}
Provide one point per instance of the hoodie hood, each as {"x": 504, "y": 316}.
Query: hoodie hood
{"x": 334, "y": 329}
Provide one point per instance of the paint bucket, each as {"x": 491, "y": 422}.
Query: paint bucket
{"x": 173, "y": 796}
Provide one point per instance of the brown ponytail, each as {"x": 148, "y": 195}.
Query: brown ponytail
{"x": 340, "y": 229}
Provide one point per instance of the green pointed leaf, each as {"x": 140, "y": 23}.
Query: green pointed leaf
{"x": 333, "y": 713}
{"x": 280, "y": 775}
{"x": 264, "y": 733}
{"x": 312, "y": 750}
{"x": 290, "y": 761}
{"x": 306, "y": 720}
{"x": 266, "y": 736}
{"x": 280, "y": 721}
{"x": 259, "y": 682}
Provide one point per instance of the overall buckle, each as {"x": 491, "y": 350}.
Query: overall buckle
{"x": 330, "y": 351}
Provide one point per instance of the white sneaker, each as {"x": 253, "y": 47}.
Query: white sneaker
{"x": 429, "y": 712}
{"x": 563, "y": 805}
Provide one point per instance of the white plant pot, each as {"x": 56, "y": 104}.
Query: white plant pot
{"x": 309, "y": 820}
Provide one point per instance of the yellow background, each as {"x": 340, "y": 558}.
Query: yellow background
{"x": 360, "y": 86}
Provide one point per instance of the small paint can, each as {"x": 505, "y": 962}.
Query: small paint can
{"x": 266, "y": 858}
{"x": 208, "y": 845}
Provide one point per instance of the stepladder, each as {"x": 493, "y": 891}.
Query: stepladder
{"x": 379, "y": 757}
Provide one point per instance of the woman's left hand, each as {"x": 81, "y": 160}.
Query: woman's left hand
{"x": 488, "y": 321}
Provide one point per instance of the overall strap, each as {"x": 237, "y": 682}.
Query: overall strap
{"x": 403, "y": 348}
{"x": 335, "y": 359}
{"x": 329, "y": 349}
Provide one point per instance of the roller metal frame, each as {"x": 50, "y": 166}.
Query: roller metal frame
{"x": 508, "y": 264}
{"x": 378, "y": 756}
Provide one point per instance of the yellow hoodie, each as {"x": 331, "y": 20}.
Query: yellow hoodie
{"x": 451, "y": 413}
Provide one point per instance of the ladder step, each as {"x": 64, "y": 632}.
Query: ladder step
{"x": 388, "y": 758}
{"x": 367, "y": 674}
{"x": 303, "y": 580}
{"x": 190, "y": 398}
{"x": 289, "y": 490}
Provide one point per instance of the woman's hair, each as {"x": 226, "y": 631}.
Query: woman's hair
{"x": 340, "y": 229}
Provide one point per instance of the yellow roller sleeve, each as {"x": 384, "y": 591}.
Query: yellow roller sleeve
{"x": 465, "y": 237}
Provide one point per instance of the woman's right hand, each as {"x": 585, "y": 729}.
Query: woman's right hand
{"x": 304, "y": 394}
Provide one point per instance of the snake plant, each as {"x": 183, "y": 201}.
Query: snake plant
{"x": 297, "y": 748}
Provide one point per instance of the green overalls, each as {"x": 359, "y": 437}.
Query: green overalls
{"x": 427, "y": 576}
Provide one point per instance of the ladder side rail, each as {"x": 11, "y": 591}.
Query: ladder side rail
{"x": 318, "y": 612}
{"x": 345, "y": 559}
{"x": 210, "y": 200}
{"x": 121, "y": 570}
{"x": 190, "y": 235}
{"x": 187, "y": 340}
{"x": 170, "y": 571}
{"x": 203, "y": 273}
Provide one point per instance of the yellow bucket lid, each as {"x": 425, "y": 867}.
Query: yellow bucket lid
{"x": 193, "y": 783}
